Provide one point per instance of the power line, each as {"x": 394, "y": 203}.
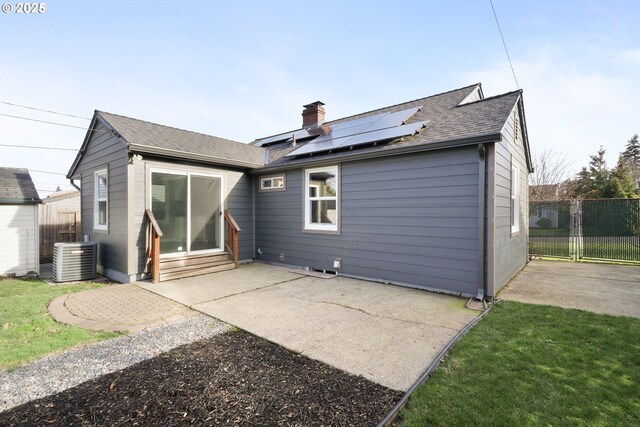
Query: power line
{"x": 52, "y": 173}
{"x": 40, "y": 148}
{"x": 504, "y": 44}
{"x": 43, "y": 110}
{"x": 41, "y": 121}
{"x": 52, "y": 123}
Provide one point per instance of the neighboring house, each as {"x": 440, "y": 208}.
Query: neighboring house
{"x": 431, "y": 193}
{"x": 19, "y": 202}
{"x": 544, "y": 214}
{"x": 59, "y": 221}
{"x": 544, "y": 192}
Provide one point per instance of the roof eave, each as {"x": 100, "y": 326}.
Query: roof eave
{"x": 20, "y": 202}
{"x": 146, "y": 149}
{"x": 350, "y": 156}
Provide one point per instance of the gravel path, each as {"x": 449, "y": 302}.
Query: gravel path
{"x": 62, "y": 371}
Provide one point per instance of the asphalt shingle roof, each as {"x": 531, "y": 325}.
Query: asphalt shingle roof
{"x": 144, "y": 136}
{"x": 16, "y": 187}
{"x": 447, "y": 121}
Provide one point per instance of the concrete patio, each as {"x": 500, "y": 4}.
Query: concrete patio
{"x": 601, "y": 288}
{"x": 387, "y": 334}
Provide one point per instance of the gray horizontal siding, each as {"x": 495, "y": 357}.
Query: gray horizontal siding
{"x": 510, "y": 251}
{"x": 106, "y": 151}
{"x": 410, "y": 219}
{"x": 237, "y": 200}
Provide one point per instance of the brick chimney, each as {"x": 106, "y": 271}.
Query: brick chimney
{"x": 313, "y": 114}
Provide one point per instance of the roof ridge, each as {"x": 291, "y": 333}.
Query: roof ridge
{"x": 405, "y": 102}
{"x": 12, "y": 168}
{"x": 172, "y": 127}
{"x": 376, "y": 109}
{"x": 519, "y": 91}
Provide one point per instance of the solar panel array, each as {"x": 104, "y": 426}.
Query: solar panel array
{"x": 363, "y": 130}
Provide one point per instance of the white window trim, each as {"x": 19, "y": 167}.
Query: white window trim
{"x": 97, "y": 200}
{"x": 272, "y": 179}
{"x": 515, "y": 198}
{"x": 308, "y": 225}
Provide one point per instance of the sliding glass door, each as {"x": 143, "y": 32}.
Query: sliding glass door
{"x": 188, "y": 208}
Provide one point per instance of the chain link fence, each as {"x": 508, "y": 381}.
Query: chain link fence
{"x": 604, "y": 229}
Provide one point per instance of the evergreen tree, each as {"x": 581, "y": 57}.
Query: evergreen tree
{"x": 620, "y": 183}
{"x": 631, "y": 154}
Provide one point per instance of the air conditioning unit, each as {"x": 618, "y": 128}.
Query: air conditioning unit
{"x": 74, "y": 261}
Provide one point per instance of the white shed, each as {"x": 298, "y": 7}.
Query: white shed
{"x": 19, "y": 240}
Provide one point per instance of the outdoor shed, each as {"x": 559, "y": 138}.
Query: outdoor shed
{"x": 430, "y": 193}
{"x": 19, "y": 201}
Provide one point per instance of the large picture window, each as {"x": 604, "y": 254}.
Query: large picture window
{"x": 515, "y": 198}
{"x": 101, "y": 200}
{"x": 321, "y": 206}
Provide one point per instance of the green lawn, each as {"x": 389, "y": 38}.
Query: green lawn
{"x": 530, "y": 365}
{"x": 27, "y": 331}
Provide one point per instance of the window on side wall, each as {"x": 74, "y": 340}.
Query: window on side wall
{"x": 321, "y": 199}
{"x": 273, "y": 183}
{"x": 101, "y": 200}
{"x": 515, "y": 198}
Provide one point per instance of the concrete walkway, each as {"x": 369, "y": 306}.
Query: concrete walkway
{"x": 601, "y": 288}
{"x": 387, "y": 334}
{"x": 126, "y": 308}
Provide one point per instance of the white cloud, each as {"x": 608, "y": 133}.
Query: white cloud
{"x": 631, "y": 56}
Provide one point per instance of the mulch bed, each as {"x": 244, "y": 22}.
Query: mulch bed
{"x": 230, "y": 379}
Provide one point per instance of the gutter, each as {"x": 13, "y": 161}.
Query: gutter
{"x": 482, "y": 159}
{"x": 74, "y": 185}
{"x": 393, "y": 413}
{"x": 308, "y": 162}
{"x": 146, "y": 149}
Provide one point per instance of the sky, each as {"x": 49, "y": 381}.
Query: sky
{"x": 243, "y": 69}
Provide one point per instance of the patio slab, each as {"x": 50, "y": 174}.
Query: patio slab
{"x": 600, "y": 288}
{"x": 117, "y": 308}
{"x": 387, "y": 334}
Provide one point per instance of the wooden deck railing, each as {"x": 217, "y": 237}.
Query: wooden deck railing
{"x": 153, "y": 247}
{"x": 231, "y": 236}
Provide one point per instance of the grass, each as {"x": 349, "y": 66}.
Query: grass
{"x": 530, "y": 365}
{"x": 27, "y": 331}
{"x": 609, "y": 251}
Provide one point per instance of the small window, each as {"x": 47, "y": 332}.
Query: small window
{"x": 321, "y": 207}
{"x": 272, "y": 183}
{"x": 101, "y": 200}
{"x": 515, "y": 198}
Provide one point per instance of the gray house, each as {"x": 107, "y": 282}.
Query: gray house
{"x": 430, "y": 193}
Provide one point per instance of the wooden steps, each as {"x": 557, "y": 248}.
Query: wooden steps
{"x": 194, "y": 265}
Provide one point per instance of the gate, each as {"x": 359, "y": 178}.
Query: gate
{"x": 550, "y": 229}
{"x": 603, "y": 229}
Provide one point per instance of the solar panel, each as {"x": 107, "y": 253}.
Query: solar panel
{"x": 299, "y": 134}
{"x": 359, "y": 139}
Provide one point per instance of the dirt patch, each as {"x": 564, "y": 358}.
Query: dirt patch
{"x": 230, "y": 379}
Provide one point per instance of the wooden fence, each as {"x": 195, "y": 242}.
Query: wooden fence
{"x": 59, "y": 222}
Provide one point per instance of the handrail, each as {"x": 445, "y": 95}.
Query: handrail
{"x": 153, "y": 248}
{"x": 231, "y": 236}
{"x": 154, "y": 223}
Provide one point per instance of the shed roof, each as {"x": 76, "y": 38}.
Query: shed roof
{"x": 16, "y": 187}
{"x": 449, "y": 123}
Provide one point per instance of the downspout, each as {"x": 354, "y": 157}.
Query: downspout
{"x": 74, "y": 184}
{"x": 481, "y": 220}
